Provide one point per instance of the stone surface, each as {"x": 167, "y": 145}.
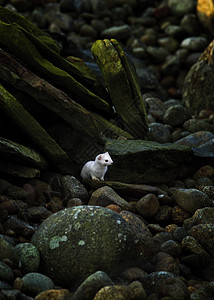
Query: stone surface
{"x": 139, "y": 161}
{"x": 74, "y": 238}
{"x": 191, "y": 199}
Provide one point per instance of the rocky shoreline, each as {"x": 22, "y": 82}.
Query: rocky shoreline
{"x": 147, "y": 231}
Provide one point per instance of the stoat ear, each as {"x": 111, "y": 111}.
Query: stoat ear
{"x": 99, "y": 157}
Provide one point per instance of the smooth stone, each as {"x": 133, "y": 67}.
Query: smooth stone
{"x": 176, "y": 115}
{"x": 180, "y": 8}
{"x": 6, "y": 274}
{"x": 194, "y": 43}
{"x": 117, "y": 32}
{"x": 147, "y": 206}
{"x": 190, "y": 199}
{"x": 35, "y": 283}
{"x": 159, "y": 133}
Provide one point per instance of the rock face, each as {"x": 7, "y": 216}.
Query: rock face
{"x": 140, "y": 161}
{"x": 71, "y": 242}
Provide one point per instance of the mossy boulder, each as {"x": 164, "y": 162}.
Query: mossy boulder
{"x": 76, "y": 242}
{"x": 140, "y": 161}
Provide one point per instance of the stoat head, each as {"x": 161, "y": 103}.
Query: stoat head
{"x": 104, "y": 159}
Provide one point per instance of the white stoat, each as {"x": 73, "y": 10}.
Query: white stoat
{"x": 96, "y": 169}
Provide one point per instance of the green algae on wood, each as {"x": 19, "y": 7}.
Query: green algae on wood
{"x": 13, "y": 38}
{"x": 33, "y": 129}
{"x": 11, "y": 17}
{"x": 122, "y": 84}
{"x": 12, "y": 151}
{"x": 56, "y": 100}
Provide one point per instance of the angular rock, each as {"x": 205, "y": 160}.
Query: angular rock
{"x": 105, "y": 196}
{"x": 204, "y": 235}
{"x": 92, "y": 284}
{"x": 165, "y": 284}
{"x": 70, "y": 243}
{"x": 122, "y": 83}
{"x": 139, "y": 161}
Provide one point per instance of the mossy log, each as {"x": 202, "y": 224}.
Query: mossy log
{"x": 49, "y": 48}
{"x": 15, "y": 152}
{"x": 34, "y": 130}
{"x": 56, "y": 100}
{"x": 122, "y": 84}
{"x": 198, "y": 87}
{"x": 14, "y": 38}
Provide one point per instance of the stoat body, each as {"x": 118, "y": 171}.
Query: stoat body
{"x": 96, "y": 169}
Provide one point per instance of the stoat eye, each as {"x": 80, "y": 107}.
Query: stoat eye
{"x": 106, "y": 160}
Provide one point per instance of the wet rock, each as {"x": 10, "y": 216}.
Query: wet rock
{"x": 205, "y": 150}
{"x": 194, "y": 125}
{"x": 122, "y": 32}
{"x": 159, "y": 133}
{"x": 175, "y": 115}
{"x": 167, "y": 263}
{"x": 191, "y": 246}
{"x": 179, "y": 215}
{"x": 16, "y": 192}
{"x": 163, "y": 214}
{"x": 147, "y": 206}
{"x": 35, "y": 283}
{"x": 157, "y": 54}
{"x": 194, "y": 43}
{"x": 133, "y": 274}
{"x": 137, "y": 290}
{"x": 201, "y": 216}
{"x": 13, "y": 206}
{"x": 113, "y": 292}
{"x": 105, "y": 196}
{"x": 190, "y": 199}
{"x": 140, "y": 161}
{"x": 195, "y": 139}
{"x": 191, "y": 25}
{"x": 70, "y": 243}
{"x": 72, "y": 188}
{"x": 28, "y": 256}
{"x": 146, "y": 246}
{"x": 19, "y": 226}
{"x": 171, "y": 247}
{"x": 37, "y": 213}
{"x": 204, "y": 233}
{"x": 155, "y": 108}
{"x": 6, "y": 250}
{"x": 91, "y": 285}
{"x": 61, "y": 294}
{"x": 6, "y": 274}
{"x": 165, "y": 284}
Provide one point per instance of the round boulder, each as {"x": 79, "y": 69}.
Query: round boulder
{"x": 78, "y": 241}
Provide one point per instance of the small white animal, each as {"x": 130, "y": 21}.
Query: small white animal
{"x": 96, "y": 169}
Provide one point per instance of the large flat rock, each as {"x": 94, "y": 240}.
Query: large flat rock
{"x": 139, "y": 161}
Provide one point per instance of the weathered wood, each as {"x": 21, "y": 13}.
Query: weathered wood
{"x": 15, "y": 152}
{"x": 122, "y": 85}
{"x": 56, "y": 100}
{"x": 198, "y": 89}
{"x": 14, "y": 38}
{"x": 34, "y": 130}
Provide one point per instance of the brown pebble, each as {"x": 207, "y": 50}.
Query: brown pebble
{"x": 114, "y": 207}
{"x": 61, "y": 294}
{"x": 179, "y": 215}
{"x": 205, "y": 171}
